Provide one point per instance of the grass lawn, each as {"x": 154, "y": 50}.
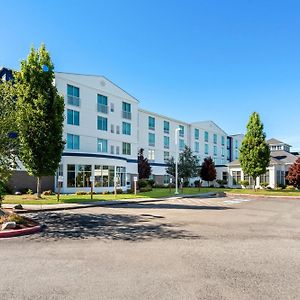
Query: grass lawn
{"x": 155, "y": 193}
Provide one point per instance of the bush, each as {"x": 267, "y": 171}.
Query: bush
{"x": 145, "y": 189}
{"x": 106, "y": 193}
{"x": 290, "y": 188}
{"x": 221, "y": 182}
{"x": 48, "y": 193}
{"x": 130, "y": 191}
{"x": 24, "y": 190}
{"x": 281, "y": 186}
{"x": 89, "y": 193}
{"x": 244, "y": 183}
{"x": 264, "y": 184}
{"x": 81, "y": 193}
{"x": 13, "y": 218}
{"x": 151, "y": 182}
{"x": 142, "y": 183}
{"x": 119, "y": 191}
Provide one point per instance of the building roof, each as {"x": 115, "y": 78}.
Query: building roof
{"x": 273, "y": 141}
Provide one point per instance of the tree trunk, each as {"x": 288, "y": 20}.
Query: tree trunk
{"x": 39, "y": 187}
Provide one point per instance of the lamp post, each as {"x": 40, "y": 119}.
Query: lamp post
{"x": 176, "y": 160}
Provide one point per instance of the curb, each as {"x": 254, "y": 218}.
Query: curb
{"x": 19, "y": 232}
{"x": 263, "y": 196}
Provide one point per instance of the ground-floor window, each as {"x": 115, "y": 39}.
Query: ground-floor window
{"x": 225, "y": 176}
{"x": 236, "y": 177}
{"x": 265, "y": 177}
{"x": 79, "y": 175}
{"x": 249, "y": 179}
{"x": 280, "y": 177}
{"x": 105, "y": 175}
{"x": 166, "y": 179}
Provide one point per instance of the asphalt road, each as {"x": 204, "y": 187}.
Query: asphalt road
{"x": 174, "y": 249}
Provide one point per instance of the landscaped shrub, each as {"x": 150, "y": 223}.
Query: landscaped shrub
{"x": 221, "y": 183}
{"x": 12, "y": 218}
{"x": 24, "y": 190}
{"x": 264, "y": 184}
{"x": 130, "y": 191}
{"x": 106, "y": 193}
{"x": 290, "y": 188}
{"x": 142, "y": 183}
{"x": 151, "y": 182}
{"x": 282, "y": 186}
{"x": 47, "y": 193}
{"x": 161, "y": 186}
{"x": 244, "y": 183}
{"x": 145, "y": 189}
{"x": 81, "y": 193}
{"x": 197, "y": 183}
{"x": 119, "y": 191}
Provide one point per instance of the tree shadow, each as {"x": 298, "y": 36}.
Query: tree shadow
{"x": 58, "y": 226}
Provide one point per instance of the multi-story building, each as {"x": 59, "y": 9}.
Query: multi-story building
{"x": 104, "y": 129}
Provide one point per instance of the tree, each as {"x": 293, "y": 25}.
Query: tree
{"x": 293, "y": 176}
{"x": 8, "y": 137}
{"x": 187, "y": 165}
{"x": 40, "y": 116}
{"x": 207, "y": 171}
{"x": 254, "y": 152}
{"x": 144, "y": 168}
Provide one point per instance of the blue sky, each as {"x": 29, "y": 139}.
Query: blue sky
{"x": 191, "y": 60}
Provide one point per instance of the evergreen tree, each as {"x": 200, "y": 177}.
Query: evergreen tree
{"x": 40, "y": 116}
{"x": 293, "y": 176}
{"x": 144, "y": 168}
{"x": 254, "y": 152}
{"x": 208, "y": 171}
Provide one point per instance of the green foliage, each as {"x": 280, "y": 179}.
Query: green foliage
{"x": 293, "y": 176}
{"x": 264, "y": 184}
{"x": 188, "y": 165}
{"x": 144, "y": 168}
{"x": 208, "y": 171}
{"x": 146, "y": 189}
{"x": 245, "y": 183}
{"x": 142, "y": 183}
{"x": 81, "y": 193}
{"x": 40, "y": 115}
{"x": 254, "y": 152}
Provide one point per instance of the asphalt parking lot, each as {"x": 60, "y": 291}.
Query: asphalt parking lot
{"x": 222, "y": 248}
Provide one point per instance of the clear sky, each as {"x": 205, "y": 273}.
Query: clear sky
{"x": 191, "y": 60}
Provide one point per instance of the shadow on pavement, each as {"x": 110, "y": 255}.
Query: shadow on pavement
{"x": 105, "y": 226}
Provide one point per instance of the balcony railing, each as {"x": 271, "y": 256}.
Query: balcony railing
{"x": 102, "y": 108}
{"x": 73, "y": 100}
{"x": 126, "y": 115}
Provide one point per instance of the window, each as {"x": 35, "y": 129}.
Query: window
{"x": 126, "y": 148}
{"x": 236, "y": 177}
{"x": 215, "y": 151}
{"x": 166, "y": 127}
{"x": 215, "y": 138}
{"x": 225, "y": 176}
{"x": 117, "y": 150}
{"x": 118, "y": 129}
{"x": 236, "y": 154}
{"x": 206, "y": 136}
{"x": 72, "y": 117}
{"x": 126, "y": 128}
{"x": 197, "y": 148}
{"x": 151, "y": 155}
{"x": 236, "y": 144}
{"x": 73, "y": 141}
{"x": 102, "y": 146}
{"x": 181, "y": 131}
{"x": 151, "y": 123}
{"x": 265, "y": 177}
{"x": 102, "y": 104}
{"x": 126, "y": 110}
{"x": 112, "y": 149}
{"x": 196, "y": 134}
{"x": 228, "y": 154}
{"x": 222, "y": 151}
{"x": 79, "y": 175}
{"x": 166, "y": 142}
{"x": 166, "y": 179}
{"x": 223, "y": 140}
{"x": 206, "y": 150}
{"x": 181, "y": 144}
{"x": 151, "y": 139}
{"x": 104, "y": 176}
{"x": 102, "y": 123}
{"x": 166, "y": 156}
{"x": 73, "y": 95}
{"x": 112, "y": 128}
{"x": 112, "y": 107}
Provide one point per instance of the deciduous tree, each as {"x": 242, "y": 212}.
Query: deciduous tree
{"x": 207, "y": 171}
{"x": 293, "y": 176}
{"x": 144, "y": 168}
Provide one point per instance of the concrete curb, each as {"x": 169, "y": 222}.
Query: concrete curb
{"x": 262, "y": 196}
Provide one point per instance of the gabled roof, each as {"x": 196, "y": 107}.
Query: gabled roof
{"x": 273, "y": 141}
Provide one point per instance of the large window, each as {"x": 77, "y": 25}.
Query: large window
{"x": 265, "y": 177}
{"x": 206, "y": 150}
{"x": 126, "y": 110}
{"x": 72, "y": 117}
{"x": 181, "y": 144}
{"x": 197, "y": 148}
{"x": 126, "y": 148}
{"x": 73, "y": 141}
{"x": 151, "y": 123}
{"x": 166, "y": 127}
{"x": 236, "y": 177}
{"x": 196, "y": 134}
{"x": 166, "y": 156}
{"x": 151, "y": 155}
{"x": 102, "y": 104}
{"x": 102, "y": 146}
{"x": 102, "y": 123}
{"x": 73, "y": 95}
{"x": 166, "y": 142}
{"x": 166, "y": 179}
{"x": 223, "y": 140}
{"x": 151, "y": 139}
{"x": 215, "y": 151}
{"x": 181, "y": 131}
{"x": 126, "y": 128}
{"x": 215, "y": 138}
{"x": 79, "y": 175}
{"x": 206, "y": 136}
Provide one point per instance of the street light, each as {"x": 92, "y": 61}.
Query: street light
{"x": 176, "y": 160}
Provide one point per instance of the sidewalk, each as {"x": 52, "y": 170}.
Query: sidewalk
{"x": 66, "y": 206}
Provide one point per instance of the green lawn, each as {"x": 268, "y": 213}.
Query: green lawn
{"x": 155, "y": 193}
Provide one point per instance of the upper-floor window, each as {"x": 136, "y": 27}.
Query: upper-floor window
{"x": 181, "y": 144}
{"x": 102, "y": 104}
{"x": 236, "y": 144}
{"x": 166, "y": 127}
{"x": 181, "y": 131}
{"x": 223, "y": 140}
{"x": 73, "y": 95}
{"x": 117, "y": 129}
{"x": 72, "y": 117}
{"x": 151, "y": 123}
{"x": 126, "y": 128}
{"x": 166, "y": 156}
{"x": 206, "y": 150}
{"x": 102, "y": 123}
{"x": 112, "y": 107}
{"x": 151, "y": 139}
{"x": 102, "y": 146}
{"x": 206, "y": 136}
{"x": 197, "y": 148}
{"x": 196, "y": 134}
{"x": 222, "y": 151}
{"x": 126, "y": 148}
{"x": 215, "y": 138}
{"x": 215, "y": 151}
{"x": 73, "y": 141}
{"x": 166, "y": 142}
{"x": 151, "y": 154}
{"x": 126, "y": 110}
